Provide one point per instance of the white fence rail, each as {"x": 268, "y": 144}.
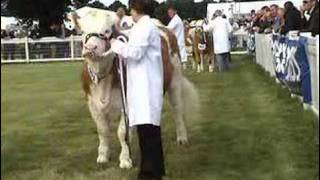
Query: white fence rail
{"x": 47, "y": 49}
{"x": 313, "y": 56}
{"x": 264, "y": 57}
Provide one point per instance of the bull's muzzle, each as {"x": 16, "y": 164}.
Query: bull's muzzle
{"x": 89, "y": 50}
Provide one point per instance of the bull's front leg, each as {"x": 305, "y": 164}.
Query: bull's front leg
{"x": 103, "y": 129}
{"x": 201, "y": 61}
{"x": 124, "y": 158}
{"x": 197, "y": 60}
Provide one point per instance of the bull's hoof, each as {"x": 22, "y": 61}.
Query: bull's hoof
{"x": 193, "y": 66}
{"x": 182, "y": 141}
{"x": 126, "y": 164}
{"x": 210, "y": 69}
{"x": 184, "y": 66}
{"x": 198, "y": 69}
{"x": 102, "y": 160}
{"x": 102, "y": 166}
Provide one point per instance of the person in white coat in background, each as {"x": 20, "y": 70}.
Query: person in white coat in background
{"x": 177, "y": 26}
{"x": 222, "y": 30}
{"x": 144, "y": 87}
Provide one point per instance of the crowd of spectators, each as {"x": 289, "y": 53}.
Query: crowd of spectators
{"x": 36, "y": 49}
{"x": 275, "y": 19}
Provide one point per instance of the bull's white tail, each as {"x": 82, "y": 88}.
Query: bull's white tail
{"x": 190, "y": 100}
{"x": 183, "y": 99}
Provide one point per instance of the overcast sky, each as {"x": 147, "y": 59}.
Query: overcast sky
{"x": 109, "y": 2}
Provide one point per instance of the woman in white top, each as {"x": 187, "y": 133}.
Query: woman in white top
{"x": 144, "y": 87}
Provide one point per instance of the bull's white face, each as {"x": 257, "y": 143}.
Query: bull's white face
{"x": 94, "y": 46}
{"x": 97, "y": 24}
{"x": 95, "y": 21}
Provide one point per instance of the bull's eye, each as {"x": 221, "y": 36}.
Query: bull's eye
{"x": 107, "y": 31}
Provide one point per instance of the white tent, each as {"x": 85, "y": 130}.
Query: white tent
{"x": 7, "y": 21}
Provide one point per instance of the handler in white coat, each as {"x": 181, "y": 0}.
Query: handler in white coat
{"x": 144, "y": 87}
{"x": 221, "y": 29}
{"x": 177, "y": 26}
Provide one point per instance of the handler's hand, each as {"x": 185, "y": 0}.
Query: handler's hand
{"x": 116, "y": 46}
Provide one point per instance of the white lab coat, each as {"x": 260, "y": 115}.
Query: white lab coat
{"x": 221, "y": 29}
{"x": 177, "y": 26}
{"x": 144, "y": 72}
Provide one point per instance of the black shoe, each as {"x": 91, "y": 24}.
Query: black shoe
{"x": 144, "y": 177}
{"x": 157, "y": 178}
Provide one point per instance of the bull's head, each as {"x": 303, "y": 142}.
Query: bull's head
{"x": 199, "y": 31}
{"x": 97, "y": 27}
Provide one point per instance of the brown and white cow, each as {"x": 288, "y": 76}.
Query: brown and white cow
{"x": 102, "y": 89}
{"x": 202, "y": 46}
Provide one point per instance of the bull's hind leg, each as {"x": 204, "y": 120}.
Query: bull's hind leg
{"x": 175, "y": 95}
{"x": 124, "y": 158}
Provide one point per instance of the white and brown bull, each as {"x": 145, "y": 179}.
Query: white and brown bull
{"x": 202, "y": 46}
{"x": 102, "y": 87}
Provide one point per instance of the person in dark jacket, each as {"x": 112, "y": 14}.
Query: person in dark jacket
{"x": 310, "y": 9}
{"x": 293, "y": 20}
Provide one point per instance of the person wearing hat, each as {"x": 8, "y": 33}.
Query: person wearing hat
{"x": 144, "y": 87}
{"x": 221, "y": 29}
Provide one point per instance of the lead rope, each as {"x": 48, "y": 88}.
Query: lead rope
{"x": 123, "y": 95}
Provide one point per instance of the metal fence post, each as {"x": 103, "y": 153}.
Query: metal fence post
{"x": 72, "y": 47}
{"x": 317, "y": 70}
{"x": 27, "y": 49}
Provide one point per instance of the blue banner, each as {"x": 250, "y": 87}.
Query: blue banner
{"x": 292, "y": 66}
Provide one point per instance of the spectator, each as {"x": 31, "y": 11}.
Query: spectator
{"x": 253, "y": 13}
{"x": 257, "y": 21}
{"x": 58, "y": 49}
{"x": 276, "y": 25}
{"x": 311, "y": 9}
{"x": 266, "y": 22}
{"x": 8, "y": 50}
{"x": 293, "y": 19}
{"x": 265, "y": 9}
{"x": 177, "y": 26}
{"x": 3, "y": 34}
{"x": 281, "y": 17}
{"x": 221, "y": 34}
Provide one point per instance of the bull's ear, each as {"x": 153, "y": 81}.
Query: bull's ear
{"x": 75, "y": 19}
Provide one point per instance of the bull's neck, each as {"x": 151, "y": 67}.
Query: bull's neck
{"x": 99, "y": 70}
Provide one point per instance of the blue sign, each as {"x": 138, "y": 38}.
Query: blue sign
{"x": 292, "y": 66}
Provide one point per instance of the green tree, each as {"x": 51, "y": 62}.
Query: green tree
{"x": 46, "y": 11}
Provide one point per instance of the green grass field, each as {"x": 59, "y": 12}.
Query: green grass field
{"x": 249, "y": 129}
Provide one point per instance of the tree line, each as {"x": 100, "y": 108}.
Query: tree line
{"x": 53, "y": 11}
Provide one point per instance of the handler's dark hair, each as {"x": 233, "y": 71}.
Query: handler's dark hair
{"x": 172, "y": 6}
{"x": 289, "y": 6}
{"x": 142, "y": 6}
